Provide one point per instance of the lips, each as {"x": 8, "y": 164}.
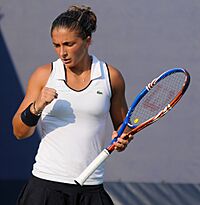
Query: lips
{"x": 65, "y": 61}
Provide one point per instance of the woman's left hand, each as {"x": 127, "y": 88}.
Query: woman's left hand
{"x": 121, "y": 143}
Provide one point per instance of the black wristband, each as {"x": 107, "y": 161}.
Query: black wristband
{"x": 28, "y": 118}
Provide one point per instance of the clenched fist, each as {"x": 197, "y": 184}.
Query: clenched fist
{"x": 47, "y": 95}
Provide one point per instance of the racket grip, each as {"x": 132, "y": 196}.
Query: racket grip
{"x": 92, "y": 167}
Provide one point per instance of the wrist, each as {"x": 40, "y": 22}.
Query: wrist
{"x": 29, "y": 118}
{"x": 34, "y": 110}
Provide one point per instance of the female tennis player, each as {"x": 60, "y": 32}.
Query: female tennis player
{"x": 71, "y": 98}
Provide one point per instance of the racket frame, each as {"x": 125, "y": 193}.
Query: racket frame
{"x": 135, "y": 128}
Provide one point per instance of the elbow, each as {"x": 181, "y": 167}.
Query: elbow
{"x": 17, "y": 132}
{"x": 21, "y": 133}
{"x": 18, "y": 135}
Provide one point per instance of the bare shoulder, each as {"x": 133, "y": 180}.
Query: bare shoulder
{"x": 38, "y": 79}
{"x": 40, "y": 75}
{"x": 114, "y": 72}
{"x": 117, "y": 80}
{"x": 36, "y": 82}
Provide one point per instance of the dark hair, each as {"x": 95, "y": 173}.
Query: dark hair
{"x": 79, "y": 18}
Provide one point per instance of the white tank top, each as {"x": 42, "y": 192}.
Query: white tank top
{"x": 73, "y": 126}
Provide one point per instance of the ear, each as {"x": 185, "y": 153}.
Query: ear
{"x": 88, "y": 41}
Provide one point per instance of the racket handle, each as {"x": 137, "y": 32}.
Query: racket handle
{"x": 92, "y": 167}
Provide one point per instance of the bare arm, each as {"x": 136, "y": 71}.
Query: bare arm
{"x": 119, "y": 107}
{"x": 35, "y": 86}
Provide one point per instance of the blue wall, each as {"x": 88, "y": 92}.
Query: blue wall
{"x": 16, "y": 157}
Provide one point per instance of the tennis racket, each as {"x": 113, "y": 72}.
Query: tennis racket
{"x": 152, "y": 103}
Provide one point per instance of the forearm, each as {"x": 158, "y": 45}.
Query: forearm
{"x": 24, "y": 123}
{"x": 21, "y": 130}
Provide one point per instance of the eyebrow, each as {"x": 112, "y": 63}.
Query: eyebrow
{"x": 65, "y": 42}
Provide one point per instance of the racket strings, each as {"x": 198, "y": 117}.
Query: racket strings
{"x": 158, "y": 97}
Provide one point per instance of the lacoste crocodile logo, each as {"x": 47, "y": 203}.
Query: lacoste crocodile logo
{"x": 99, "y": 92}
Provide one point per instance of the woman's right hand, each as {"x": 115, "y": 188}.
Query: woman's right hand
{"x": 47, "y": 95}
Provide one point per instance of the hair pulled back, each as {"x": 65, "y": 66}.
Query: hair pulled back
{"x": 79, "y": 18}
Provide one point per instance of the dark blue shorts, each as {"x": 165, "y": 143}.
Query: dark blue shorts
{"x": 43, "y": 192}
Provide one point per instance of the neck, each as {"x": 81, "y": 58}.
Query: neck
{"x": 81, "y": 67}
{"x": 79, "y": 74}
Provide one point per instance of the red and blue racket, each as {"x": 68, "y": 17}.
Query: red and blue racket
{"x": 152, "y": 103}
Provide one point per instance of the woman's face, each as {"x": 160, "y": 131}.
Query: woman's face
{"x": 70, "y": 48}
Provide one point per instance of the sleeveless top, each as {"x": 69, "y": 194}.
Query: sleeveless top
{"x": 73, "y": 126}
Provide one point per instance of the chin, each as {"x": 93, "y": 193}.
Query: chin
{"x": 69, "y": 65}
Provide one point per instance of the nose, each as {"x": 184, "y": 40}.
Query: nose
{"x": 63, "y": 52}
